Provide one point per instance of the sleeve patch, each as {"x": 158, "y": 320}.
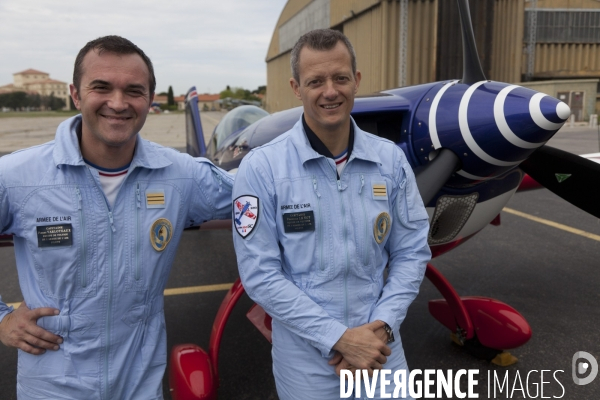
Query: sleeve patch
{"x": 246, "y": 211}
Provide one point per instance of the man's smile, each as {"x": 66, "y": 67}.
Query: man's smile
{"x": 115, "y": 118}
{"x": 330, "y": 106}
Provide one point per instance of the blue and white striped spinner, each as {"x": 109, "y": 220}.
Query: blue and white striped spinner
{"x": 491, "y": 126}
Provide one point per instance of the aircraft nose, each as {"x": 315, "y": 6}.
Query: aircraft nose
{"x": 547, "y": 112}
{"x": 491, "y": 126}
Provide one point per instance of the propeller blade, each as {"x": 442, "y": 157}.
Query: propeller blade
{"x": 433, "y": 176}
{"x": 472, "y": 71}
{"x": 571, "y": 177}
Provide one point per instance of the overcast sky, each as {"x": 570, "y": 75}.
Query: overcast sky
{"x": 207, "y": 43}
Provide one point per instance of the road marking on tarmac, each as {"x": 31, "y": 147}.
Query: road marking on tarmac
{"x": 553, "y": 224}
{"x": 181, "y": 290}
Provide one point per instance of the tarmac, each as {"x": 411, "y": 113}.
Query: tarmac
{"x": 542, "y": 261}
{"x": 166, "y": 129}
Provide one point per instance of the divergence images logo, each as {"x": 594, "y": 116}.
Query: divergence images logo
{"x": 582, "y": 367}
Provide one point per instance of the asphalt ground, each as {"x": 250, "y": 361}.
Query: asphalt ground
{"x": 548, "y": 273}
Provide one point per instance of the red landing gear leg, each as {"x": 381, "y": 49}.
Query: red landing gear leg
{"x": 484, "y": 326}
{"x": 194, "y": 374}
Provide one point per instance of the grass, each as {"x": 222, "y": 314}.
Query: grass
{"x": 34, "y": 114}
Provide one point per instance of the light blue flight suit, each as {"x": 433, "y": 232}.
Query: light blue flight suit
{"x": 311, "y": 256}
{"x": 97, "y": 264}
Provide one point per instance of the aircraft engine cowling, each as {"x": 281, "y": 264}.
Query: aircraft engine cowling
{"x": 491, "y": 126}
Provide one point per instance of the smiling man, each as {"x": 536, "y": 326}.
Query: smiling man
{"x": 97, "y": 215}
{"x": 326, "y": 207}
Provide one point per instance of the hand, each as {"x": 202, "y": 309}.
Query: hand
{"x": 19, "y": 329}
{"x": 341, "y": 363}
{"x": 381, "y": 334}
{"x": 362, "y": 348}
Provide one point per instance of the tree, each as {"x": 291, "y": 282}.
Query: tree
{"x": 170, "y": 97}
{"x": 238, "y": 93}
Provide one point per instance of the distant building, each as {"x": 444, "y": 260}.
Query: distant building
{"x": 209, "y": 102}
{"x": 34, "y": 81}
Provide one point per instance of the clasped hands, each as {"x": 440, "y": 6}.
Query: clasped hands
{"x": 363, "y": 347}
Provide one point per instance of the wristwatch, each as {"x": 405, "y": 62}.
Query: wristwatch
{"x": 389, "y": 332}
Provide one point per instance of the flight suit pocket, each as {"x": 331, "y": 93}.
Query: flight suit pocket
{"x": 304, "y": 224}
{"x": 371, "y": 213}
{"x": 155, "y": 214}
{"x": 409, "y": 203}
{"x": 58, "y": 225}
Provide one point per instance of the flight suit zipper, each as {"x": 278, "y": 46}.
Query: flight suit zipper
{"x": 110, "y": 295}
{"x": 319, "y": 225}
{"x": 362, "y": 202}
{"x": 345, "y": 227}
{"x": 83, "y": 247}
{"x": 137, "y": 231}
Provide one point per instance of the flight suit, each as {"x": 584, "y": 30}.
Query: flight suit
{"x": 105, "y": 268}
{"x": 312, "y": 249}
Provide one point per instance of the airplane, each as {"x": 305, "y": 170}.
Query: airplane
{"x": 472, "y": 144}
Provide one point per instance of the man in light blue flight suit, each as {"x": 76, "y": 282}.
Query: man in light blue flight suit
{"x": 97, "y": 215}
{"x": 318, "y": 213}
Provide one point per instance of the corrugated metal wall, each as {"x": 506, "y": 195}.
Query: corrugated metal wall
{"x": 279, "y": 93}
{"x": 342, "y": 10}
{"x": 560, "y": 60}
{"x": 422, "y": 41}
{"x": 507, "y": 41}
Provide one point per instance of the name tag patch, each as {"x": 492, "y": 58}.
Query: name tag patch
{"x": 55, "y": 235}
{"x": 299, "y": 222}
{"x": 379, "y": 191}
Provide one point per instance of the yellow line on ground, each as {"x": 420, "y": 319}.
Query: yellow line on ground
{"x": 198, "y": 289}
{"x": 181, "y": 290}
{"x": 553, "y": 224}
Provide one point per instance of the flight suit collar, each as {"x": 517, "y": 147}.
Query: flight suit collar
{"x": 67, "y": 152}
{"x": 360, "y": 147}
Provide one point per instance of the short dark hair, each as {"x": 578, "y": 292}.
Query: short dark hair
{"x": 319, "y": 39}
{"x": 111, "y": 44}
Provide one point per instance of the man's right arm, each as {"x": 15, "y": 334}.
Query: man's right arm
{"x": 259, "y": 263}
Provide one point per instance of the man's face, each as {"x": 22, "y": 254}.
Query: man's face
{"x": 113, "y": 97}
{"x": 327, "y": 86}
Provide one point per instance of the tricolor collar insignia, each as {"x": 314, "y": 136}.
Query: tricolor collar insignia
{"x": 246, "y": 211}
{"x": 161, "y": 234}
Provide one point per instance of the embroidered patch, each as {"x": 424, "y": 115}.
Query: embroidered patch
{"x": 382, "y": 226}
{"x": 245, "y": 214}
{"x": 155, "y": 198}
{"x": 161, "y": 234}
{"x": 379, "y": 191}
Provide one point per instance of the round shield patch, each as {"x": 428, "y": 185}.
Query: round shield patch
{"x": 161, "y": 234}
{"x": 382, "y": 226}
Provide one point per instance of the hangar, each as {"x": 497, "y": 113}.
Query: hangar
{"x": 407, "y": 42}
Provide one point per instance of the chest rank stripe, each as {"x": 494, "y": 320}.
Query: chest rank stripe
{"x": 379, "y": 190}
{"x": 155, "y": 198}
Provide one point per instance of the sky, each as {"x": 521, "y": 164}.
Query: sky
{"x": 206, "y": 43}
